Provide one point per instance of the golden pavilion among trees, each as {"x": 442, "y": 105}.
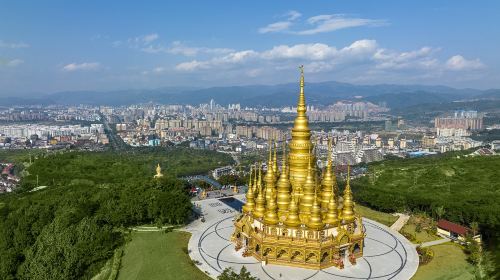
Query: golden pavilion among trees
{"x": 293, "y": 216}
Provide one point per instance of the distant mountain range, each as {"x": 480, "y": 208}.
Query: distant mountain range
{"x": 324, "y": 93}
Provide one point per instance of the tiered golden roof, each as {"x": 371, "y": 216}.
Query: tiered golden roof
{"x": 291, "y": 217}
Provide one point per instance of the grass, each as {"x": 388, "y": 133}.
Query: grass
{"x": 381, "y": 217}
{"x": 422, "y": 236}
{"x": 158, "y": 255}
{"x": 110, "y": 269}
{"x": 449, "y": 263}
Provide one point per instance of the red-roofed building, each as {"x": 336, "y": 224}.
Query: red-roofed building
{"x": 455, "y": 231}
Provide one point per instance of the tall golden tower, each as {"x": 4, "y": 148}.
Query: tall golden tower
{"x": 300, "y": 146}
{"x": 293, "y": 218}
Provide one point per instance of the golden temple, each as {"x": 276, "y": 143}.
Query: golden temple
{"x": 293, "y": 216}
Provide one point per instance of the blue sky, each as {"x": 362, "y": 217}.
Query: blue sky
{"x": 48, "y": 46}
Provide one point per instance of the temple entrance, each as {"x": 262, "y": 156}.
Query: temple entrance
{"x": 324, "y": 257}
{"x": 356, "y": 249}
{"x": 344, "y": 256}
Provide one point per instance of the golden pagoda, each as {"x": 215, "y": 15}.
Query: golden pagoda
{"x": 158, "y": 172}
{"x": 291, "y": 217}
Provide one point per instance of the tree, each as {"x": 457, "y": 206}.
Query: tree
{"x": 485, "y": 268}
{"x": 475, "y": 228}
{"x": 229, "y": 274}
{"x": 439, "y": 211}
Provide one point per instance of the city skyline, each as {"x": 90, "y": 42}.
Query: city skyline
{"x": 123, "y": 45}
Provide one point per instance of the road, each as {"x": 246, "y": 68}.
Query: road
{"x": 115, "y": 141}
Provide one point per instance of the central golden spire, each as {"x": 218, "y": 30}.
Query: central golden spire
{"x": 300, "y": 145}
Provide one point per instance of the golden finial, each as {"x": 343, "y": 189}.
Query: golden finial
{"x": 275, "y": 161}
{"x": 331, "y": 216}
{"x": 255, "y": 190}
{"x": 315, "y": 222}
{"x": 283, "y": 160}
{"x": 348, "y": 210}
{"x": 292, "y": 219}
{"x": 271, "y": 217}
{"x": 259, "y": 180}
{"x": 269, "y": 177}
{"x": 301, "y": 106}
{"x": 328, "y": 179}
{"x": 269, "y": 146}
{"x": 348, "y": 174}
{"x": 158, "y": 172}
{"x": 307, "y": 198}
{"x": 250, "y": 178}
{"x": 283, "y": 185}
{"x": 260, "y": 202}
{"x": 329, "y": 156}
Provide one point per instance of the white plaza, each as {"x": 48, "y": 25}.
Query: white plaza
{"x": 387, "y": 254}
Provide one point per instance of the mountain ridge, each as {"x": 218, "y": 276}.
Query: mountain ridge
{"x": 321, "y": 93}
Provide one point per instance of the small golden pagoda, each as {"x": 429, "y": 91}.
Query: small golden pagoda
{"x": 158, "y": 172}
{"x": 294, "y": 217}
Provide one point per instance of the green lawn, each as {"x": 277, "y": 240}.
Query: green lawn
{"x": 421, "y": 236}
{"x": 158, "y": 255}
{"x": 449, "y": 263}
{"x": 381, "y": 217}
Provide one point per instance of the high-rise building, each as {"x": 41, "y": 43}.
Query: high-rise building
{"x": 462, "y": 123}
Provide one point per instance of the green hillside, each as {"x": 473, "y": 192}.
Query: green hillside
{"x": 71, "y": 228}
{"x": 468, "y": 188}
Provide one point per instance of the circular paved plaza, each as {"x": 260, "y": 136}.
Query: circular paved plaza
{"x": 387, "y": 254}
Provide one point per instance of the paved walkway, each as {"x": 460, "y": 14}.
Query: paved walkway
{"x": 399, "y": 224}
{"x": 150, "y": 228}
{"x": 435, "y": 242}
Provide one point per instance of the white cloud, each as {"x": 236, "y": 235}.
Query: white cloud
{"x": 362, "y": 59}
{"x": 158, "y": 69}
{"x": 293, "y": 15}
{"x": 192, "y": 65}
{"x": 85, "y": 66}
{"x": 315, "y": 51}
{"x": 150, "y": 38}
{"x": 11, "y": 62}
{"x": 319, "y": 23}
{"x": 143, "y": 39}
{"x": 329, "y": 23}
{"x": 421, "y": 58}
{"x": 275, "y": 27}
{"x": 458, "y": 62}
{"x": 13, "y": 45}
{"x": 178, "y": 48}
{"x": 283, "y": 25}
{"x": 15, "y": 62}
{"x": 227, "y": 60}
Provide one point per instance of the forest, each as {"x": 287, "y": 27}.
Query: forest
{"x": 451, "y": 186}
{"x": 69, "y": 229}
